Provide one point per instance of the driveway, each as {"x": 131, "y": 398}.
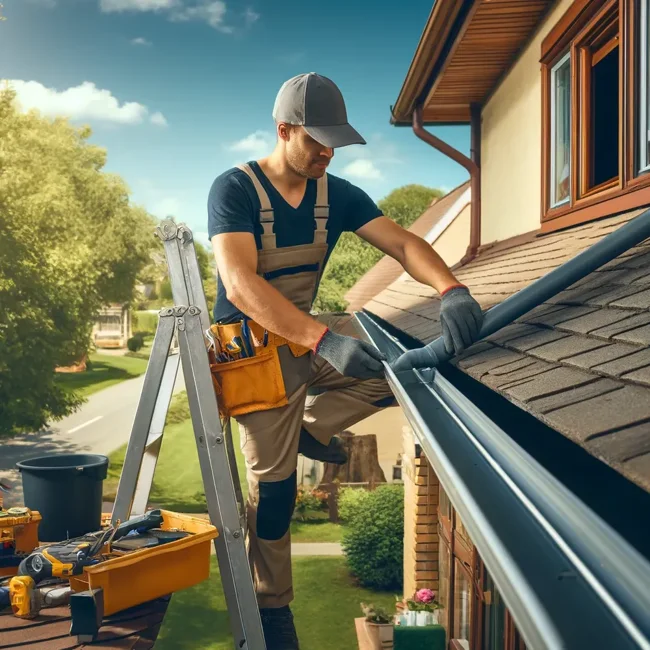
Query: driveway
{"x": 100, "y": 426}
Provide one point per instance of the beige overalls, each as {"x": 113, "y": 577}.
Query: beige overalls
{"x": 269, "y": 438}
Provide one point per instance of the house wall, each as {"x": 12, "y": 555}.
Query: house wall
{"x": 453, "y": 242}
{"x": 420, "y": 519}
{"x": 511, "y": 151}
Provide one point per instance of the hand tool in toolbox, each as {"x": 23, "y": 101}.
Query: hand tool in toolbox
{"x": 188, "y": 318}
{"x": 68, "y": 558}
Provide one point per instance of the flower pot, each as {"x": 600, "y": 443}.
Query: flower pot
{"x": 411, "y": 617}
{"x": 423, "y": 619}
{"x": 434, "y": 617}
{"x": 380, "y": 635}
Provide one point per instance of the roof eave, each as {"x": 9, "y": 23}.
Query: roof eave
{"x": 432, "y": 48}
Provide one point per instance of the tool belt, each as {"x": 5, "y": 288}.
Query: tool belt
{"x": 245, "y": 367}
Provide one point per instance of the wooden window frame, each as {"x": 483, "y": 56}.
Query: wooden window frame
{"x": 632, "y": 187}
{"x": 639, "y": 13}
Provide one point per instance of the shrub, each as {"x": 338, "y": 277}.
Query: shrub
{"x": 350, "y": 500}
{"x": 373, "y": 541}
{"x": 135, "y": 343}
{"x": 308, "y": 501}
{"x": 145, "y": 322}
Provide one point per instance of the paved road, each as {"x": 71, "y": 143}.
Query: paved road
{"x": 101, "y": 425}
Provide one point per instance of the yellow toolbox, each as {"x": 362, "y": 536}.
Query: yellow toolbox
{"x": 150, "y": 573}
{"x": 18, "y": 537}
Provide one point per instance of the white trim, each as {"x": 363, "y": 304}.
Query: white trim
{"x": 644, "y": 87}
{"x": 447, "y": 219}
{"x": 553, "y": 184}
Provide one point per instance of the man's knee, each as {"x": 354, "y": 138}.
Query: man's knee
{"x": 277, "y": 500}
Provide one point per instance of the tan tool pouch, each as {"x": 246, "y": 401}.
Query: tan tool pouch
{"x": 253, "y": 383}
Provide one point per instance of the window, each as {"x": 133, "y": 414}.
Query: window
{"x": 493, "y": 617}
{"x": 444, "y": 570}
{"x": 644, "y": 86}
{"x": 462, "y": 600}
{"x": 599, "y": 102}
{"x": 561, "y": 128}
{"x": 596, "y": 112}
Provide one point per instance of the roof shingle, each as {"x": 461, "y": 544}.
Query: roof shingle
{"x": 579, "y": 362}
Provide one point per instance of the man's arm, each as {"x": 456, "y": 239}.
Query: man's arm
{"x": 236, "y": 256}
{"x": 460, "y": 314}
{"x": 416, "y": 256}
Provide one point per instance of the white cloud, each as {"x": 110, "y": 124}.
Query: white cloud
{"x": 368, "y": 162}
{"x": 82, "y": 102}
{"x": 363, "y": 169}
{"x": 211, "y": 12}
{"x": 256, "y": 145}
{"x": 140, "y": 41}
{"x": 251, "y": 16}
{"x": 109, "y": 6}
{"x": 158, "y": 119}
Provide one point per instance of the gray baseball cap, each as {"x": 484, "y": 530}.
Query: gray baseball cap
{"x": 316, "y": 103}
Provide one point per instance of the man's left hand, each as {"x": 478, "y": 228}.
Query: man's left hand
{"x": 461, "y": 318}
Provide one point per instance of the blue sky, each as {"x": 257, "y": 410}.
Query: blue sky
{"x": 178, "y": 91}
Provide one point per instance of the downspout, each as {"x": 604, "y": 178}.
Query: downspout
{"x": 472, "y": 165}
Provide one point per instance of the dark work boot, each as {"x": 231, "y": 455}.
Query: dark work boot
{"x": 279, "y": 630}
{"x": 311, "y": 448}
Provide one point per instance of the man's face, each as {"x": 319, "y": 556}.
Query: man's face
{"x": 305, "y": 156}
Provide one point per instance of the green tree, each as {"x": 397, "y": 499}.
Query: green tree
{"x": 70, "y": 242}
{"x": 352, "y": 257}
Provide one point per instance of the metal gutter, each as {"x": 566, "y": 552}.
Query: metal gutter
{"x": 568, "y": 579}
{"x": 607, "y": 249}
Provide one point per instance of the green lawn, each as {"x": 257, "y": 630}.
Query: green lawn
{"x": 105, "y": 371}
{"x": 316, "y": 531}
{"x": 178, "y": 484}
{"x": 325, "y": 606}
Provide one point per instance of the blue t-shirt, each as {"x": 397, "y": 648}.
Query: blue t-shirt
{"x": 233, "y": 206}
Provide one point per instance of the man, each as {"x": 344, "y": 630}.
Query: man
{"x": 273, "y": 224}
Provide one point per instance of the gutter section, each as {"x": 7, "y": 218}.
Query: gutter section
{"x": 569, "y": 580}
{"x": 472, "y": 165}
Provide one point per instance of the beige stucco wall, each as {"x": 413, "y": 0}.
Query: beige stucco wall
{"x": 511, "y": 154}
{"x": 452, "y": 244}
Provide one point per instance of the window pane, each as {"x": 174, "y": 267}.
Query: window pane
{"x": 462, "y": 595}
{"x": 604, "y": 119}
{"x": 444, "y": 506}
{"x": 462, "y": 531}
{"x": 561, "y": 130}
{"x": 644, "y": 87}
{"x": 494, "y": 612}
{"x": 444, "y": 569}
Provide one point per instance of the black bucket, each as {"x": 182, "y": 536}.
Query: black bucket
{"x": 67, "y": 491}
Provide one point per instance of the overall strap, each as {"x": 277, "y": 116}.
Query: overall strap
{"x": 266, "y": 212}
{"x": 321, "y": 211}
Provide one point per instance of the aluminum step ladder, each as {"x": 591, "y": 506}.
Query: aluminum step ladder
{"x": 189, "y": 319}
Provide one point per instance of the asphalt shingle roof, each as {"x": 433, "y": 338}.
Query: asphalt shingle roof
{"x": 580, "y": 362}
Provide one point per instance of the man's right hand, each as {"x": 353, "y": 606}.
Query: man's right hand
{"x": 350, "y": 356}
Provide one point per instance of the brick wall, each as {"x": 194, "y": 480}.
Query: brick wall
{"x": 420, "y": 518}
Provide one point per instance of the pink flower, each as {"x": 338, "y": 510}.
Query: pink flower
{"x": 425, "y": 595}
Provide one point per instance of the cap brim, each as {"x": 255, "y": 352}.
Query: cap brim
{"x": 340, "y": 135}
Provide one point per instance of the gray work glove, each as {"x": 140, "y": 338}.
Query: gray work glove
{"x": 350, "y": 356}
{"x": 461, "y": 318}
